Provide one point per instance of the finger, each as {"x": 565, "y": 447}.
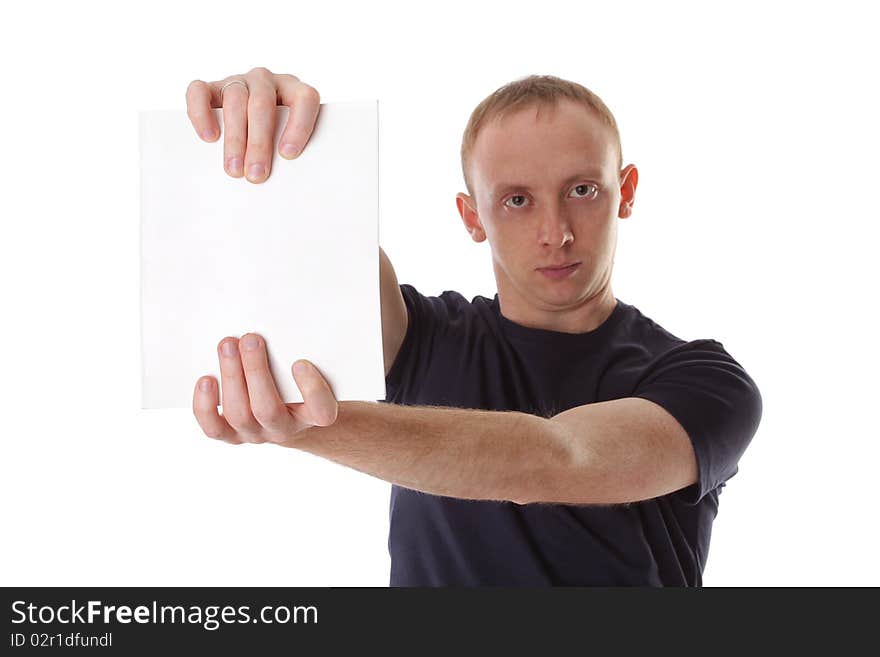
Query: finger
{"x": 205, "y": 400}
{"x": 260, "y": 125}
{"x": 236, "y": 403}
{"x": 235, "y": 100}
{"x": 319, "y": 401}
{"x": 304, "y": 103}
{"x": 198, "y": 109}
{"x": 266, "y": 404}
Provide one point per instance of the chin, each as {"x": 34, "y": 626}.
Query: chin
{"x": 561, "y": 295}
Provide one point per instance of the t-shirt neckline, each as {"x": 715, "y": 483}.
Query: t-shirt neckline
{"x": 519, "y": 332}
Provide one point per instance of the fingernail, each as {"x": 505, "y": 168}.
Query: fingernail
{"x": 250, "y": 342}
{"x": 300, "y": 368}
{"x": 288, "y": 150}
{"x": 205, "y": 384}
{"x": 255, "y": 171}
{"x": 208, "y": 135}
{"x": 234, "y": 165}
{"x": 228, "y": 348}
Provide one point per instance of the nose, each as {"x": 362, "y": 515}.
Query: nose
{"x": 555, "y": 229}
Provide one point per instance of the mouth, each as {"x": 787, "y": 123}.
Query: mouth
{"x": 560, "y": 271}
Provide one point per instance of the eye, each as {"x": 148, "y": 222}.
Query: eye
{"x": 585, "y": 190}
{"x": 515, "y": 201}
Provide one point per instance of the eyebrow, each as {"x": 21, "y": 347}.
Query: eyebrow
{"x": 502, "y": 188}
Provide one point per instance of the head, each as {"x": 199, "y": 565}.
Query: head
{"x": 542, "y": 163}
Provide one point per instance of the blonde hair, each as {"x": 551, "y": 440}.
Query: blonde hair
{"x": 540, "y": 90}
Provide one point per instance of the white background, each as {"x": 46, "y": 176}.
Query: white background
{"x": 754, "y": 130}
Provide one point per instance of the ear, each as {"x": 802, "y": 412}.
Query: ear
{"x": 629, "y": 180}
{"x": 467, "y": 208}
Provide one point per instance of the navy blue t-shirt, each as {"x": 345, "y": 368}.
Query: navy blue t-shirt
{"x": 468, "y": 355}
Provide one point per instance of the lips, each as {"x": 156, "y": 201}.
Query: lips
{"x": 565, "y": 265}
{"x": 559, "y": 272}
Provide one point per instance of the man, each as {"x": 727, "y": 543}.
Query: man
{"x": 552, "y": 435}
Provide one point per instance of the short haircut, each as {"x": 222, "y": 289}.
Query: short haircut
{"x": 534, "y": 90}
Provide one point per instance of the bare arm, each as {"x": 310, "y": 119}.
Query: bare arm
{"x": 612, "y": 452}
{"x": 394, "y": 314}
{"x": 468, "y": 454}
{"x": 622, "y": 450}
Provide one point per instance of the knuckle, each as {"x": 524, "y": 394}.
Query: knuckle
{"x": 257, "y": 150}
{"x": 276, "y": 437}
{"x": 268, "y": 415}
{"x": 309, "y": 93}
{"x": 260, "y": 71}
{"x": 194, "y": 86}
{"x": 234, "y": 145}
{"x": 235, "y": 98}
{"x": 252, "y": 367}
{"x": 194, "y": 113}
{"x": 261, "y": 103}
{"x": 239, "y": 420}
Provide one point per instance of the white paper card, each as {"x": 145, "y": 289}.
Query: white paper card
{"x": 294, "y": 259}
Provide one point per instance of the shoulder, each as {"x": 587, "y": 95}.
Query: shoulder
{"x": 662, "y": 345}
{"x": 665, "y": 359}
{"x": 445, "y": 310}
{"x": 637, "y": 326}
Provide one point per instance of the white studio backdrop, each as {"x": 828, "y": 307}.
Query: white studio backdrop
{"x": 754, "y": 130}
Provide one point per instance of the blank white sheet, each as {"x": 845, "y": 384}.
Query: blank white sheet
{"x": 295, "y": 259}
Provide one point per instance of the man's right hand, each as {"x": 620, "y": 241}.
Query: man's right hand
{"x": 249, "y": 118}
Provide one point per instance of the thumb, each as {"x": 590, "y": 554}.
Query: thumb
{"x": 318, "y": 399}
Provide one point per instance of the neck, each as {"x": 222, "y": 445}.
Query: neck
{"x": 581, "y": 316}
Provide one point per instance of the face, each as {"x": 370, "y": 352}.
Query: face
{"x": 547, "y": 192}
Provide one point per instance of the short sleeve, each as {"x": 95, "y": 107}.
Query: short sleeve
{"x": 715, "y": 401}
{"x": 426, "y": 316}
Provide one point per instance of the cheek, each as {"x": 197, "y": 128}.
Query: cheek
{"x": 515, "y": 245}
{"x": 502, "y": 238}
{"x": 598, "y": 237}
{"x": 511, "y": 251}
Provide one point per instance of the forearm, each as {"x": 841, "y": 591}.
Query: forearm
{"x": 470, "y": 454}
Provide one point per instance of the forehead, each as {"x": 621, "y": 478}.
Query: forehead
{"x": 543, "y": 144}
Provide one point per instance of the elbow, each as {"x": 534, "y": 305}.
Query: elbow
{"x": 554, "y": 463}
